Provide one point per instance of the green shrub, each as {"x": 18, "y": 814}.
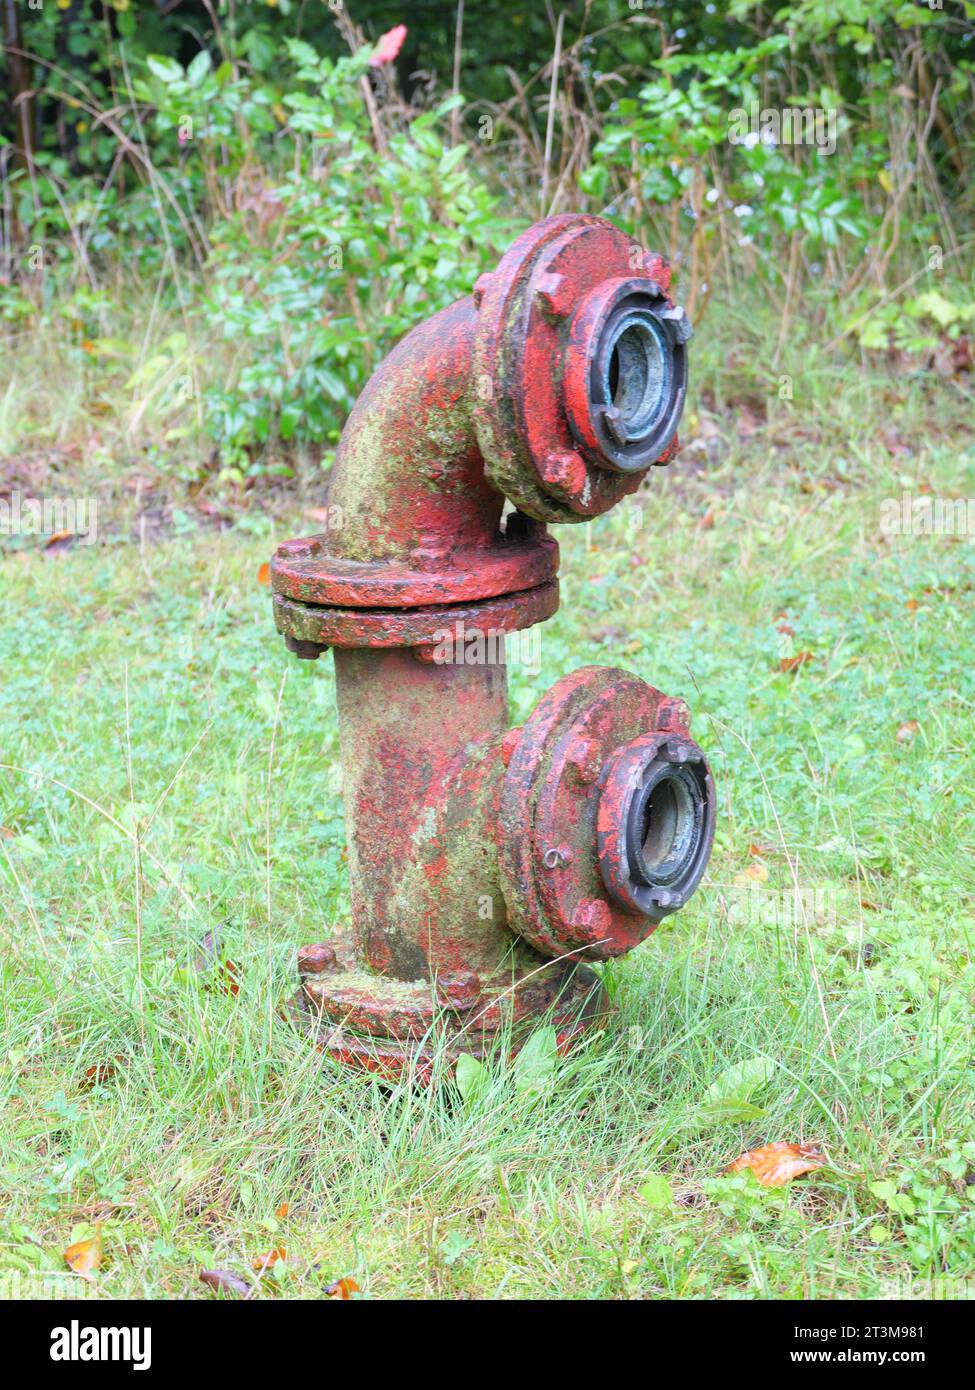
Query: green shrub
{"x": 323, "y": 258}
{"x": 671, "y": 149}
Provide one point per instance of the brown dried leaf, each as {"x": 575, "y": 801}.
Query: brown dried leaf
{"x": 792, "y": 663}
{"x": 264, "y": 1262}
{"x": 342, "y": 1288}
{"x": 230, "y": 976}
{"x": 774, "y": 1165}
{"x": 100, "y": 1073}
{"x": 60, "y": 540}
{"x": 224, "y": 1281}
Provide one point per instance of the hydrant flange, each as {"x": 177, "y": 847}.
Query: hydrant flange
{"x": 547, "y": 351}
{"x": 391, "y": 1027}
{"x": 571, "y": 795}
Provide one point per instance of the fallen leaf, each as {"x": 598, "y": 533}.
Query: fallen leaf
{"x": 776, "y": 1164}
{"x": 342, "y": 1288}
{"x": 85, "y": 1256}
{"x": 229, "y": 981}
{"x": 60, "y": 540}
{"x": 264, "y": 1262}
{"x": 792, "y": 663}
{"x": 907, "y": 731}
{"x": 223, "y": 1281}
{"x": 100, "y": 1073}
{"x": 264, "y": 574}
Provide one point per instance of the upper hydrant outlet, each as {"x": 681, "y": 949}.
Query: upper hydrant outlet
{"x": 581, "y": 368}
{"x": 486, "y": 863}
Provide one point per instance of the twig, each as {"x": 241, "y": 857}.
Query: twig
{"x": 458, "y": 37}
{"x": 550, "y": 124}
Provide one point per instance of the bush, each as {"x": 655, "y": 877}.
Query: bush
{"x": 322, "y": 259}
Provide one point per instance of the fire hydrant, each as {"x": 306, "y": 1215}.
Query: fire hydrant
{"x": 486, "y": 864}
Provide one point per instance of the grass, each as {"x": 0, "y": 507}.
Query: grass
{"x": 176, "y": 773}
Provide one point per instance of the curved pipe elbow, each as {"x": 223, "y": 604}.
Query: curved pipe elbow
{"x": 557, "y": 384}
{"x": 409, "y": 476}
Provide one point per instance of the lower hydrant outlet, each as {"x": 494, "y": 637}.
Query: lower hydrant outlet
{"x": 486, "y": 863}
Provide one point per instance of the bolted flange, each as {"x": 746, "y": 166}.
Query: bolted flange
{"x": 395, "y": 1028}
{"x": 583, "y": 352}
{"x": 577, "y": 782}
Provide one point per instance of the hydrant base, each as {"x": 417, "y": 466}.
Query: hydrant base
{"x": 394, "y": 1028}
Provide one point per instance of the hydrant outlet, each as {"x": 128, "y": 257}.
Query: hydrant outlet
{"x": 595, "y": 810}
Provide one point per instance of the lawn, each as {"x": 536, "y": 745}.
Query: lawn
{"x": 169, "y": 771}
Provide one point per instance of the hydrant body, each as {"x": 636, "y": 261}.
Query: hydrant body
{"x": 485, "y": 863}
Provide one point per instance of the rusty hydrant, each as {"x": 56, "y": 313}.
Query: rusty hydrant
{"x": 487, "y": 863}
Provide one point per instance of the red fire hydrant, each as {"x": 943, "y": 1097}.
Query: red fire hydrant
{"x": 487, "y": 863}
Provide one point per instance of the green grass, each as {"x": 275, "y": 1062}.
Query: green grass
{"x": 217, "y": 1112}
